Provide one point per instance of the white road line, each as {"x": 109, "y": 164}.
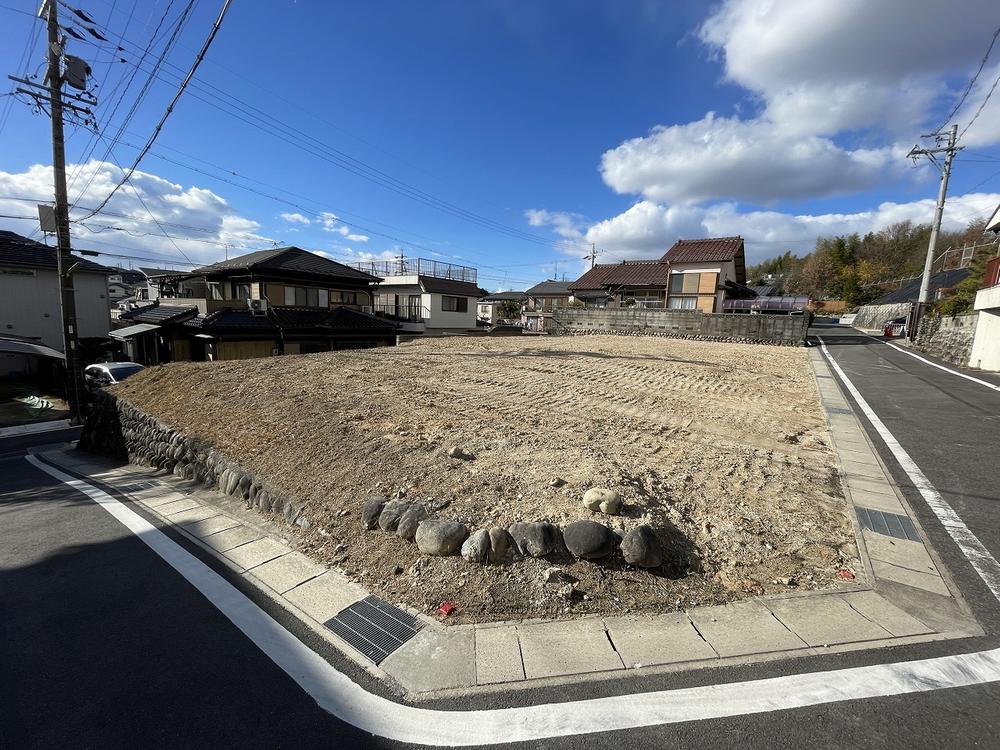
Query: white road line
{"x": 926, "y": 361}
{"x": 976, "y": 552}
{"x": 339, "y": 695}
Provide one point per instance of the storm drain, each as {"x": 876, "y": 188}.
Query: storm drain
{"x": 139, "y": 486}
{"x": 374, "y": 627}
{"x": 889, "y": 524}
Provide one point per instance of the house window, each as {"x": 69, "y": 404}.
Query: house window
{"x": 241, "y": 291}
{"x": 455, "y": 304}
{"x": 683, "y": 303}
{"x": 324, "y": 298}
{"x": 349, "y": 298}
{"x": 301, "y": 296}
{"x": 215, "y": 290}
{"x": 289, "y": 296}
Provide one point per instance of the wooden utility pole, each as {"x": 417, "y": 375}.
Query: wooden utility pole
{"x": 65, "y": 264}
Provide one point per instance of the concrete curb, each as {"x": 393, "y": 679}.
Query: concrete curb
{"x": 444, "y": 661}
{"x": 34, "y": 427}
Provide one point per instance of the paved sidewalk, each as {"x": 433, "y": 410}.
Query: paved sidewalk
{"x": 907, "y": 597}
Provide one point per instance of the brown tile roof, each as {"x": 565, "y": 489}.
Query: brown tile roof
{"x": 626, "y": 273}
{"x": 710, "y": 249}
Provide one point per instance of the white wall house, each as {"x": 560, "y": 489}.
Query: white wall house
{"x": 985, "y": 352}
{"x": 700, "y": 269}
{"x": 29, "y": 293}
{"x": 426, "y": 295}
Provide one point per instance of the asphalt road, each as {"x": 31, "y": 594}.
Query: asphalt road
{"x": 103, "y": 645}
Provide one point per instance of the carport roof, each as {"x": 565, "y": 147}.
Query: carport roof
{"x": 129, "y": 331}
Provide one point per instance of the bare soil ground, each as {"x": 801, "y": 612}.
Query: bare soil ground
{"x": 724, "y": 444}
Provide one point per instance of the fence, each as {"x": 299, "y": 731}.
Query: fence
{"x": 418, "y": 267}
{"x": 778, "y": 329}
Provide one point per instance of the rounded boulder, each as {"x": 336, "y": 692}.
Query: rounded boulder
{"x": 589, "y": 540}
{"x": 641, "y": 548}
{"x": 602, "y": 500}
{"x": 439, "y": 537}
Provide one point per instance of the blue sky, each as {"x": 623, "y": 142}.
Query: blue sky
{"x": 538, "y": 128}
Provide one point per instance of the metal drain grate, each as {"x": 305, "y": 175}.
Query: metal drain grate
{"x": 889, "y": 524}
{"x": 139, "y": 486}
{"x": 374, "y": 627}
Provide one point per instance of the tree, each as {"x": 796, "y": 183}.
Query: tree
{"x": 509, "y": 308}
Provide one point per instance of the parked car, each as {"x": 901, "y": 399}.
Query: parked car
{"x": 109, "y": 373}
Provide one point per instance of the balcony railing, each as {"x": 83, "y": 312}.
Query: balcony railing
{"x": 413, "y": 313}
{"x": 418, "y": 267}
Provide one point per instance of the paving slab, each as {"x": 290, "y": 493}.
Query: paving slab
{"x": 177, "y": 506}
{"x": 255, "y": 553}
{"x": 875, "y": 607}
{"x": 434, "y": 660}
{"x": 926, "y": 581}
{"x": 212, "y": 525}
{"x": 194, "y": 514}
{"x": 156, "y": 501}
{"x": 551, "y": 649}
{"x": 665, "y": 639}
{"x": 324, "y": 596}
{"x": 878, "y": 501}
{"x": 288, "y": 571}
{"x": 901, "y": 552}
{"x": 864, "y": 486}
{"x": 498, "y": 655}
{"x": 869, "y": 470}
{"x": 823, "y": 620}
{"x": 743, "y": 628}
{"x": 223, "y": 541}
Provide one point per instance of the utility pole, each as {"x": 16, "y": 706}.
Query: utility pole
{"x": 65, "y": 264}
{"x": 949, "y": 151}
{"x": 593, "y": 254}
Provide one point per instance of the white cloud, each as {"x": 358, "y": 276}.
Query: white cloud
{"x": 199, "y": 222}
{"x": 295, "y": 218}
{"x": 331, "y": 223}
{"x": 725, "y": 157}
{"x": 840, "y": 90}
{"x": 647, "y": 230}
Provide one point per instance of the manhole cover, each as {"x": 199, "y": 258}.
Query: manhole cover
{"x": 888, "y": 524}
{"x": 374, "y": 627}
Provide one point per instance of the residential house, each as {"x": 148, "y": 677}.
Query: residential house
{"x": 639, "y": 283}
{"x": 426, "y": 296}
{"x": 269, "y": 302}
{"x": 703, "y": 273}
{"x": 30, "y": 304}
{"x": 543, "y": 301}
{"x": 488, "y": 308}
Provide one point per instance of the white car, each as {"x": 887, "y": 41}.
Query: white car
{"x": 109, "y": 373}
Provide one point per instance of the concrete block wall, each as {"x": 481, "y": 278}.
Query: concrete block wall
{"x": 949, "y": 339}
{"x": 773, "y": 329}
{"x": 873, "y": 317}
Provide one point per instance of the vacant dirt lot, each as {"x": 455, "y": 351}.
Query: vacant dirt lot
{"x": 722, "y": 442}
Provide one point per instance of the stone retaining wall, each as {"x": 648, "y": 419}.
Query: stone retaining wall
{"x": 949, "y": 339}
{"x": 117, "y": 429}
{"x": 688, "y": 324}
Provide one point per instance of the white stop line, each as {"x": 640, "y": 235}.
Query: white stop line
{"x": 348, "y": 701}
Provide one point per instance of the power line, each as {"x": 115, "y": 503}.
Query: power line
{"x": 267, "y": 123}
{"x": 981, "y": 106}
{"x": 173, "y": 102}
{"x": 972, "y": 82}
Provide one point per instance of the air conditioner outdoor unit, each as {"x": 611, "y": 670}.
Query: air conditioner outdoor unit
{"x": 257, "y": 306}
